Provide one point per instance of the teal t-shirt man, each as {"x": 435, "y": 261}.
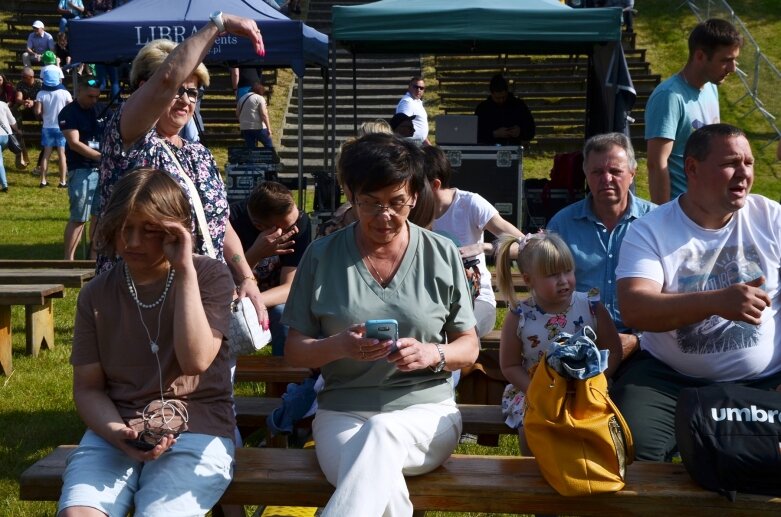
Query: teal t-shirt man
{"x": 675, "y": 110}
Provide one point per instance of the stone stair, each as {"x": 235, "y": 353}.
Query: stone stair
{"x": 554, "y": 88}
{"x": 381, "y": 81}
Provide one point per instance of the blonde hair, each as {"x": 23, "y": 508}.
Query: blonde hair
{"x": 374, "y": 126}
{"x": 542, "y": 253}
{"x": 152, "y": 55}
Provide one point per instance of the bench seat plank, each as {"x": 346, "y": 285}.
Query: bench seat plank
{"x": 269, "y": 368}
{"x": 505, "y": 484}
{"x": 251, "y": 413}
{"x": 70, "y": 277}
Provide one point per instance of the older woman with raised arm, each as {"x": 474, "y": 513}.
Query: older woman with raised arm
{"x": 387, "y": 409}
{"x": 145, "y": 133}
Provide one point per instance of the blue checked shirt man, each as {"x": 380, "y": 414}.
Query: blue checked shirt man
{"x": 595, "y": 227}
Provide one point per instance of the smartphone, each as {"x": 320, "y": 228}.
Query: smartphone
{"x": 471, "y": 262}
{"x": 141, "y": 444}
{"x": 383, "y": 330}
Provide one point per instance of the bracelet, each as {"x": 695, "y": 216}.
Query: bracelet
{"x": 248, "y": 277}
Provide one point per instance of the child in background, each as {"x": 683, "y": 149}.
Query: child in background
{"x": 548, "y": 268}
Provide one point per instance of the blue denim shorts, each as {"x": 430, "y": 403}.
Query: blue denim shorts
{"x": 188, "y": 479}
{"x": 82, "y": 187}
{"x": 52, "y": 137}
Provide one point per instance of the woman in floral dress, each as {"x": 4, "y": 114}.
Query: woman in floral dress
{"x": 145, "y": 133}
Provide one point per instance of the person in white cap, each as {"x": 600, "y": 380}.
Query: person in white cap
{"x": 38, "y": 42}
{"x": 48, "y": 103}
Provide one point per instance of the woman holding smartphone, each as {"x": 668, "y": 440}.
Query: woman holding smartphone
{"x": 150, "y": 366}
{"x": 382, "y": 414}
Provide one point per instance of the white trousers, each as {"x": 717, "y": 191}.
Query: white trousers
{"x": 366, "y": 455}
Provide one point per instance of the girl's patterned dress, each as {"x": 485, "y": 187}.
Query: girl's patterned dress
{"x": 536, "y": 330}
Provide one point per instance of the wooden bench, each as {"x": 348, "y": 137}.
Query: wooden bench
{"x": 71, "y": 277}
{"x": 39, "y": 320}
{"x": 273, "y": 370}
{"x": 46, "y": 264}
{"x": 252, "y": 412}
{"x": 464, "y": 483}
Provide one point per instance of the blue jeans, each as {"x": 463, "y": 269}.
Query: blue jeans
{"x": 278, "y": 330}
{"x": 82, "y": 185}
{"x": 253, "y": 136}
{"x": 3, "y": 143}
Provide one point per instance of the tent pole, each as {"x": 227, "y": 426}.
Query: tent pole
{"x": 332, "y": 44}
{"x": 300, "y": 80}
{"x": 324, "y": 74}
{"x": 355, "y": 98}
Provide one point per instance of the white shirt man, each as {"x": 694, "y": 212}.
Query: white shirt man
{"x": 700, "y": 276}
{"x": 412, "y": 105}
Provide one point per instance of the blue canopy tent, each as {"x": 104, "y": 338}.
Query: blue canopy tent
{"x": 119, "y": 34}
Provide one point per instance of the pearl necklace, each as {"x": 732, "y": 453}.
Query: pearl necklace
{"x": 131, "y": 286}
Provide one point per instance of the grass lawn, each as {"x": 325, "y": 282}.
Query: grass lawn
{"x": 36, "y": 408}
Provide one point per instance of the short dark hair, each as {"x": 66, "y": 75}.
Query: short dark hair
{"x": 498, "y": 84}
{"x": 698, "y": 145}
{"x": 378, "y": 160}
{"x": 269, "y": 199}
{"x": 711, "y": 34}
{"x": 437, "y": 166}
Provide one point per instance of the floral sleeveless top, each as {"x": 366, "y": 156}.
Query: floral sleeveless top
{"x": 196, "y": 161}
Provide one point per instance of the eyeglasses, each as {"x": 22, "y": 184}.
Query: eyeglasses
{"x": 193, "y": 94}
{"x": 419, "y": 87}
{"x": 393, "y": 208}
{"x": 92, "y": 83}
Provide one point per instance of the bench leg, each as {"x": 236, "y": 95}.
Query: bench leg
{"x": 5, "y": 339}
{"x": 39, "y": 323}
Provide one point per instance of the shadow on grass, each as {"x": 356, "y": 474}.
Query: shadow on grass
{"x": 29, "y": 436}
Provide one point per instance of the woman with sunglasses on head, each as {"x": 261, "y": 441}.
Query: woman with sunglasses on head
{"x": 145, "y": 133}
{"x": 151, "y": 379}
{"x": 387, "y": 409}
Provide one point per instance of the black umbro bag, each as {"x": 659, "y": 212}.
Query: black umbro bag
{"x": 729, "y": 437}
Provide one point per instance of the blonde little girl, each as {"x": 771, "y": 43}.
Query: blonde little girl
{"x": 548, "y": 269}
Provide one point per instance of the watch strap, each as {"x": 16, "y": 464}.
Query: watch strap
{"x": 441, "y": 364}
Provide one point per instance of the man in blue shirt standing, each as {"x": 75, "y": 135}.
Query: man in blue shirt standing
{"x": 80, "y": 126}
{"x": 595, "y": 226}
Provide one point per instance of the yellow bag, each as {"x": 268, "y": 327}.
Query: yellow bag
{"x": 580, "y": 440}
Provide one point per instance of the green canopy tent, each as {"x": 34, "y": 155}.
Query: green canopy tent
{"x": 479, "y": 27}
{"x": 473, "y": 27}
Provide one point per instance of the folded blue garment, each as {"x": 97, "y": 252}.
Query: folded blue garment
{"x": 576, "y": 355}
{"x": 296, "y": 401}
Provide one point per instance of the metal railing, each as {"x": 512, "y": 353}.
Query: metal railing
{"x": 758, "y": 75}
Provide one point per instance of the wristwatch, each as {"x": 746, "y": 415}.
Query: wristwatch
{"x": 441, "y": 364}
{"x": 216, "y": 19}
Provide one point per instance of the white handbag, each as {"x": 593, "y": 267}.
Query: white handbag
{"x": 246, "y": 335}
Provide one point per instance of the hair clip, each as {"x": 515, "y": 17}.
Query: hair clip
{"x": 526, "y": 239}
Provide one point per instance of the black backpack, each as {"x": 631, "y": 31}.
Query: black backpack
{"x": 729, "y": 437}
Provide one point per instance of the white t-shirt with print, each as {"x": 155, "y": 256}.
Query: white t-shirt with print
{"x": 669, "y": 248}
